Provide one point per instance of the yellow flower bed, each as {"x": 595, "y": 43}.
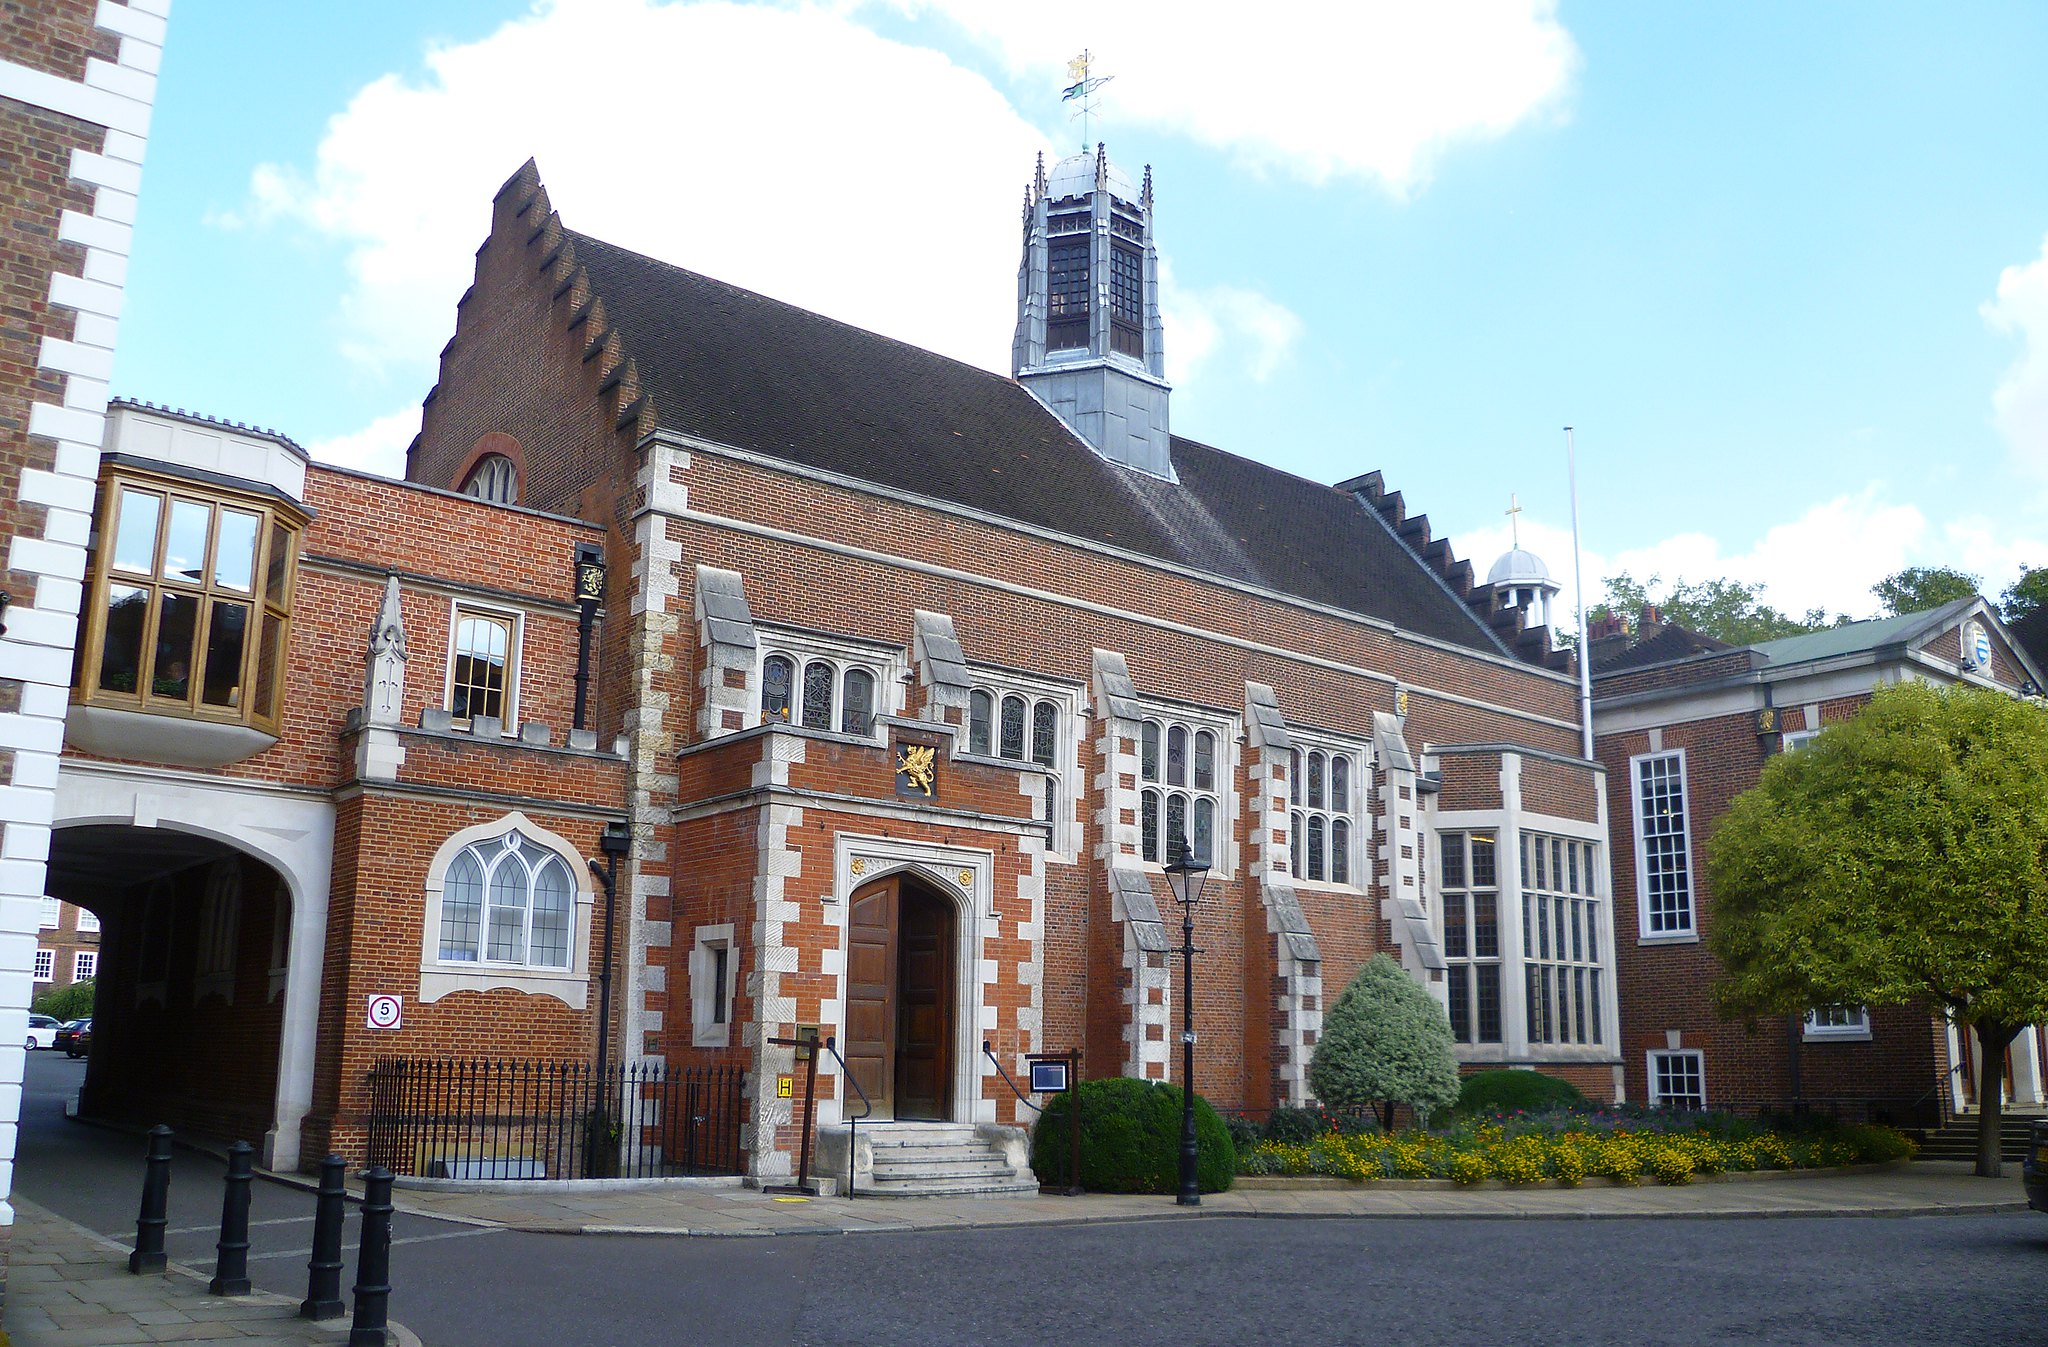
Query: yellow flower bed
{"x": 1488, "y": 1151}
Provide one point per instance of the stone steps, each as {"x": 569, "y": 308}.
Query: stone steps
{"x": 930, "y": 1159}
{"x": 1957, "y": 1139}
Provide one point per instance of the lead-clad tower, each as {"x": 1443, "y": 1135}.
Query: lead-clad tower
{"x": 1089, "y": 343}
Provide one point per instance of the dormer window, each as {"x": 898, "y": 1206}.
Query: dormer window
{"x": 190, "y": 601}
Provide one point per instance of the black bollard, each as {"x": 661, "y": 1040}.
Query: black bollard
{"x": 323, "y": 1271}
{"x": 373, "y": 1263}
{"x": 156, "y": 1200}
{"x": 231, "y": 1261}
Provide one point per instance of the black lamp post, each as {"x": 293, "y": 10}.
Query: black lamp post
{"x": 1187, "y": 873}
{"x": 615, "y": 841}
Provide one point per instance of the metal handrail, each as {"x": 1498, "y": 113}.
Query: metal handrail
{"x": 1007, "y": 1081}
{"x": 867, "y": 1107}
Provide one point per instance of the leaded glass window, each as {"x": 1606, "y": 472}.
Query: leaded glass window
{"x": 981, "y": 715}
{"x": 507, "y": 901}
{"x": 857, "y": 710}
{"x": 1013, "y": 728}
{"x": 1193, "y": 808}
{"x": 778, "y": 684}
{"x": 818, "y": 680}
{"x": 1319, "y": 789}
{"x": 1470, "y": 885}
{"x": 1044, "y": 733}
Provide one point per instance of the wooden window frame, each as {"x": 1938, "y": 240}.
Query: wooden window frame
{"x": 515, "y": 638}
{"x": 267, "y": 603}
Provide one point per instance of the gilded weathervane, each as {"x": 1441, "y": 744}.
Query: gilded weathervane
{"x": 917, "y": 764}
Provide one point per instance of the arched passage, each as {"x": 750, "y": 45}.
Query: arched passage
{"x": 213, "y": 903}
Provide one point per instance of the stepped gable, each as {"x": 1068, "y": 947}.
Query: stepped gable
{"x": 736, "y": 368}
{"x": 1533, "y": 645}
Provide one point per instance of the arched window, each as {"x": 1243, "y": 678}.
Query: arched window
{"x": 1320, "y": 823}
{"x": 1045, "y": 719}
{"x": 507, "y": 901}
{"x": 981, "y": 716}
{"x": 1191, "y": 809}
{"x": 495, "y": 479}
{"x": 857, "y": 709}
{"x": 818, "y": 680}
{"x": 778, "y": 683}
{"x": 1013, "y": 728}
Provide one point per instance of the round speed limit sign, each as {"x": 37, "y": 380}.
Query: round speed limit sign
{"x": 386, "y": 1012}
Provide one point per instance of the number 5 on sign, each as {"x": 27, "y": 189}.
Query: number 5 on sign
{"x": 386, "y": 1012}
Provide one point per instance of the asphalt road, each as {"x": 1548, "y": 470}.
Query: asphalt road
{"x": 1946, "y": 1281}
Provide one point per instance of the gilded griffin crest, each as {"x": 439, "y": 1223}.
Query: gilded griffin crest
{"x": 917, "y": 763}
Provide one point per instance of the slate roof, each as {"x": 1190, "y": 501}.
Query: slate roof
{"x": 1671, "y": 642}
{"x": 737, "y": 368}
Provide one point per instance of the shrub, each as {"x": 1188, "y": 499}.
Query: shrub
{"x": 1487, "y": 1092}
{"x": 1130, "y": 1139}
{"x": 1385, "y": 1042}
{"x": 1294, "y": 1124}
{"x": 66, "y": 1003}
{"x": 1244, "y": 1133}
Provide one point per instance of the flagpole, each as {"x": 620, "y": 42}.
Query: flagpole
{"x": 1571, "y": 469}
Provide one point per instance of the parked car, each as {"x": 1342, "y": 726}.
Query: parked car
{"x": 75, "y": 1037}
{"x": 42, "y": 1032}
{"x": 2034, "y": 1173}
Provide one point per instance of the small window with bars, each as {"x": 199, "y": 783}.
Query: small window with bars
{"x": 1678, "y": 1080}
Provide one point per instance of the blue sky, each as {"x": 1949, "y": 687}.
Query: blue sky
{"x": 1784, "y": 267}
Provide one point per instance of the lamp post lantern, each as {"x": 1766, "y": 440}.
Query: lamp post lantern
{"x": 1187, "y": 873}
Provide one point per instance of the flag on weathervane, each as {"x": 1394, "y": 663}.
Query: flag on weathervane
{"x": 1082, "y": 86}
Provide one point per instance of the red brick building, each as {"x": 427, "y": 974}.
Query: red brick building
{"x": 921, "y": 670}
{"x": 1684, "y": 724}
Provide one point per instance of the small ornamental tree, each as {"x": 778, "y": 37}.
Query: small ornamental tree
{"x": 1901, "y": 856}
{"x": 1385, "y": 1042}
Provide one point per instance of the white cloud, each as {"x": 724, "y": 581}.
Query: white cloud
{"x": 2020, "y": 402}
{"x": 790, "y": 151}
{"x": 1220, "y": 320}
{"x": 1375, "y": 90}
{"x": 1827, "y": 558}
{"x": 378, "y": 447}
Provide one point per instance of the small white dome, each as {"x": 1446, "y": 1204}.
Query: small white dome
{"x": 1075, "y": 176}
{"x": 1519, "y": 567}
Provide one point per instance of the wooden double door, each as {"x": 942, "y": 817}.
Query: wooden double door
{"x": 899, "y": 998}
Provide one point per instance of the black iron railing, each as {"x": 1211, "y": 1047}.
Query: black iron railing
{"x": 473, "y": 1118}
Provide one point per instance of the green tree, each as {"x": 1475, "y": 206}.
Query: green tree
{"x": 1900, "y": 857}
{"x": 1727, "y": 610}
{"x": 73, "y": 1002}
{"x": 2025, "y": 594}
{"x": 1385, "y": 1042}
{"x": 1919, "y": 588}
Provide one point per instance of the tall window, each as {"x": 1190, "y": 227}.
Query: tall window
{"x": 1678, "y": 1080}
{"x": 1560, "y": 940}
{"x": 1471, "y": 911}
{"x": 1067, "y": 292}
{"x": 1663, "y": 845}
{"x": 88, "y": 921}
{"x": 190, "y": 602}
{"x": 46, "y": 965}
{"x": 1023, "y": 727}
{"x": 820, "y": 693}
{"x": 1127, "y": 300}
{"x": 507, "y": 901}
{"x": 481, "y": 671}
{"x": 1179, "y": 793}
{"x": 1320, "y": 819}
{"x": 84, "y": 964}
{"x": 495, "y": 479}
{"x": 52, "y": 914}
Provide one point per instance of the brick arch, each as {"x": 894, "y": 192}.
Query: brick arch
{"x": 489, "y": 443}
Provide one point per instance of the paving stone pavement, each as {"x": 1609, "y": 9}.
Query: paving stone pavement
{"x": 1924, "y": 1188}
{"x": 68, "y": 1287}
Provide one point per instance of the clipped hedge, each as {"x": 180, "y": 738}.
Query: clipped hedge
{"x": 1488, "y": 1092}
{"x": 1130, "y": 1139}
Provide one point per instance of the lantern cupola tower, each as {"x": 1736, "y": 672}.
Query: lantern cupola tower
{"x": 1089, "y": 343}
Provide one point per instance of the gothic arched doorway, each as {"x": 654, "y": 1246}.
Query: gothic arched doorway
{"x": 900, "y": 935}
